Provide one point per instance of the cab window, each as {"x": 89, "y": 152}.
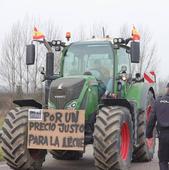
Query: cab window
{"x": 123, "y": 60}
{"x": 96, "y": 58}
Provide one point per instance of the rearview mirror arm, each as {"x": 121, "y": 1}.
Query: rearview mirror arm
{"x": 46, "y": 44}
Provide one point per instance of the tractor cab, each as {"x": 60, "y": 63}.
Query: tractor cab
{"x": 93, "y": 100}
{"x": 89, "y": 58}
{"x": 108, "y": 61}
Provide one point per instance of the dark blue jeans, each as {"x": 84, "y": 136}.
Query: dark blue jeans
{"x": 163, "y": 152}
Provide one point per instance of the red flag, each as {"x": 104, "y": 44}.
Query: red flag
{"x": 37, "y": 34}
{"x": 135, "y": 34}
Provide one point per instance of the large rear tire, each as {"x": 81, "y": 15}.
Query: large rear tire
{"x": 144, "y": 152}
{"x": 67, "y": 155}
{"x": 113, "y": 139}
{"x": 14, "y": 142}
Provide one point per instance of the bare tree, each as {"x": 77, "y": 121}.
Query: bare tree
{"x": 51, "y": 33}
{"x": 13, "y": 69}
{"x": 161, "y": 87}
{"x": 80, "y": 34}
{"x": 98, "y": 30}
{"x": 148, "y": 49}
{"x": 9, "y": 59}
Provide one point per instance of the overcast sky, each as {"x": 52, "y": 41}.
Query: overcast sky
{"x": 72, "y": 14}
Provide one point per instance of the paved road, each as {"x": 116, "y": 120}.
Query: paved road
{"x": 87, "y": 163}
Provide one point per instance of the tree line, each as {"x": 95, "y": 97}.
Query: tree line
{"x": 19, "y": 78}
{"x": 14, "y": 73}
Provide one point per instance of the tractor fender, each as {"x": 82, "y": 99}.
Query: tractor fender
{"x": 118, "y": 102}
{"x": 28, "y": 102}
{"x": 138, "y": 93}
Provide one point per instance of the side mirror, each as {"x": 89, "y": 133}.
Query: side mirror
{"x": 49, "y": 64}
{"x": 30, "y": 54}
{"x": 135, "y": 52}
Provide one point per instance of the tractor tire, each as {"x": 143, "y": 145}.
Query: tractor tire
{"x": 14, "y": 142}
{"x": 67, "y": 155}
{"x": 143, "y": 152}
{"x": 113, "y": 138}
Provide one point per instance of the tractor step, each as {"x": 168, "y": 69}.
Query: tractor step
{"x": 88, "y": 139}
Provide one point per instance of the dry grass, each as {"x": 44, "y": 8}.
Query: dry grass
{"x": 1, "y": 121}
{"x": 1, "y": 155}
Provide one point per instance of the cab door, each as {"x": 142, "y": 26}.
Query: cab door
{"x": 124, "y": 65}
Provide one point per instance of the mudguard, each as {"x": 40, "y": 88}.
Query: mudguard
{"x": 28, "y": 102}
{"x": 138, "y": 93}
{"x": 117, "y": 102}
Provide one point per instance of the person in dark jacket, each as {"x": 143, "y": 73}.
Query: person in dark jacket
{"x": 160, "y": 117}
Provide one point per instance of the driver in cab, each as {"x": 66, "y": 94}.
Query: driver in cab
{"x": 102, "y": 75}
{"x": 100, "y": 71}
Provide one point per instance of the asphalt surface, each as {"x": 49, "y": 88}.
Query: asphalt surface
{"x": 87, "y": 163}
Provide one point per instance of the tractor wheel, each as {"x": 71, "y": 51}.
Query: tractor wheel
{"x": 113, "y": 138}
{"x": 144, "y": 152}
{"x": 67, "y": 155}
{"x": 14, "y": 142}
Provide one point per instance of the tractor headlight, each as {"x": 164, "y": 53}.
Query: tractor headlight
{"x": 124, "y": 77}
{"x": 118, "y": 40}
{"x": 115, "y": 40}
{"x": 58, "y": 42}
{"x": 54, "y": 42}
{"x": 71, "y": 105}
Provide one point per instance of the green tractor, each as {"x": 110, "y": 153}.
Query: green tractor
{"x": 95, "y": 76}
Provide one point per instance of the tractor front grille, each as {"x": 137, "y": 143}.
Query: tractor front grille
{"x": 65, "y": 90}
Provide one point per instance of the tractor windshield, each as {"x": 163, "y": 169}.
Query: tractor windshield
{"x": 94, "y": 58}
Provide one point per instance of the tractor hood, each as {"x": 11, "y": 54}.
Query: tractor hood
{"x": 64, "y": 90}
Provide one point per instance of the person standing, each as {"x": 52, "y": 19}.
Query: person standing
{"x": 159, "y": 117}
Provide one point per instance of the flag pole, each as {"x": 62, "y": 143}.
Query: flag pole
{"x": 49, "y": 48}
